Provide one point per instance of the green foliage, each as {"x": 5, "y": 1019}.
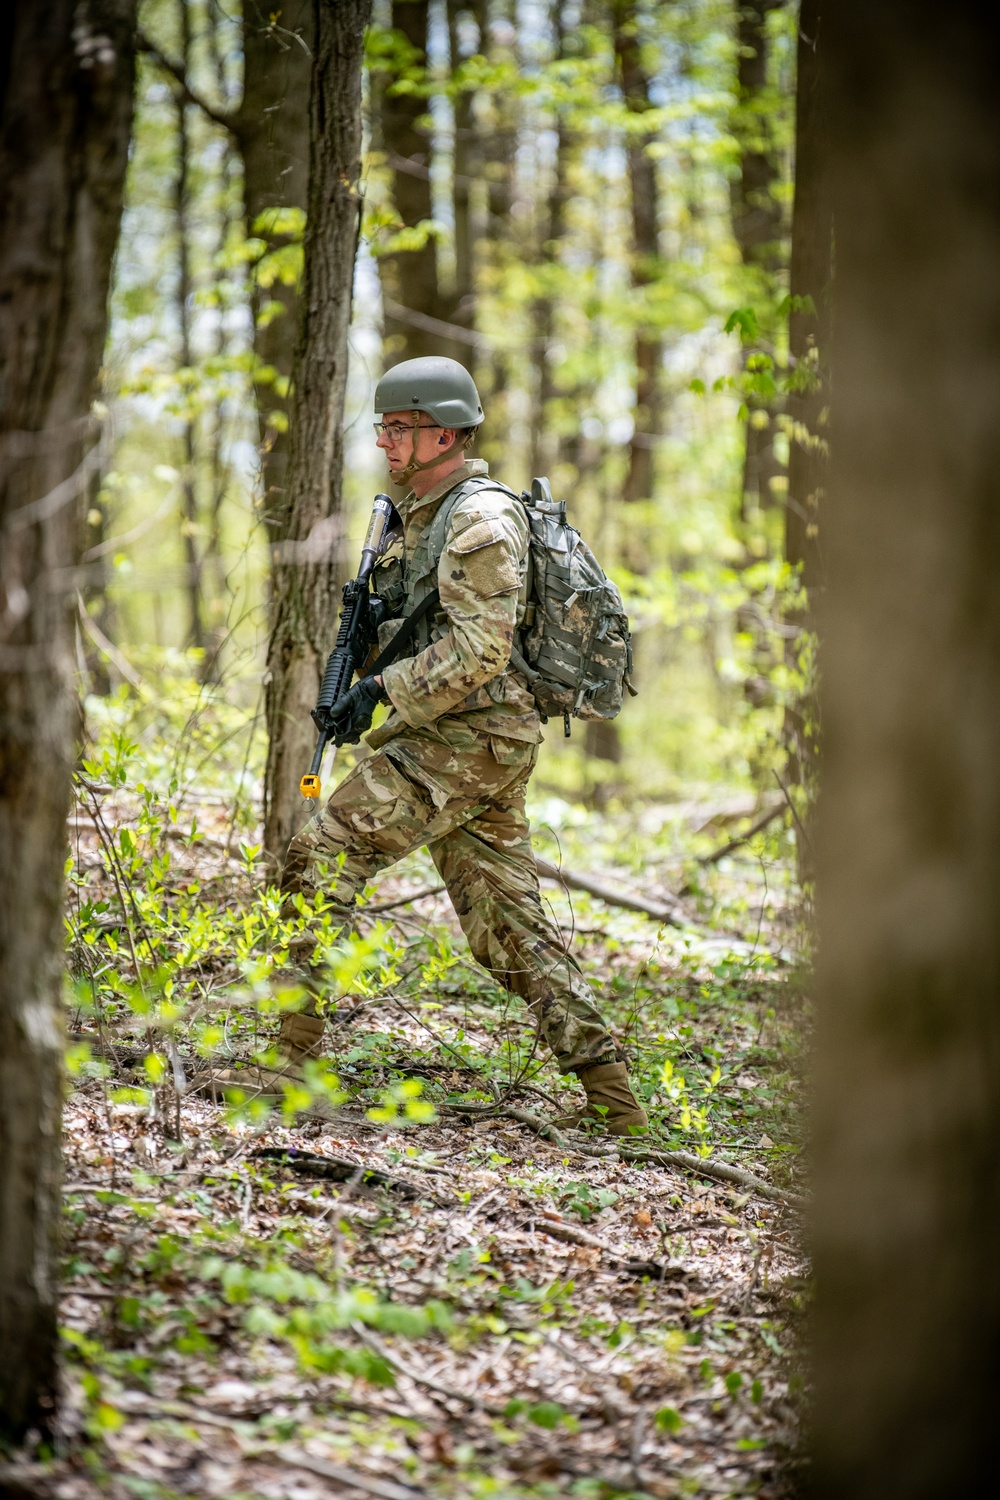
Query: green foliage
{"x": 582, "y": 1199}
{"x": 667, "y": 1419}
{"x": 547, "y": 1414}
{"x": 402, "y": 1103}
{"x": 712, "y": 691}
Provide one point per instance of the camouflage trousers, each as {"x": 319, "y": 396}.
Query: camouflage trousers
{"x": 463, "y": 797}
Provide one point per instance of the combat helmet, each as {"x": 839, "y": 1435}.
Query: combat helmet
{"x": 442, "y": 389}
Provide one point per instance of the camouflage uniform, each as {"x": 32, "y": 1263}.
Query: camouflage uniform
{"x": 452, "y": 763}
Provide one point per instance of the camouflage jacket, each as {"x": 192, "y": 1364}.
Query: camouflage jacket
{"x": 464, "y": 673}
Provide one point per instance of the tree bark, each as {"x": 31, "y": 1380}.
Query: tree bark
{"x": 553, "y": 228}
{"x": 466, "y": 170}
{"x": 410, "y": 277}
{"x": 96, "y": 601}
{"x": 806, "y": 408}
{"x": 272, "y": 131}
{"x": 66, "y": 90}
{"x": 498, "y": 150}
{"x": 757, "y": 220}
{"x": 810, "y": 281}
{"x": 189, "y": 494}
{"x": 907, "y": 1217}
{"x": 645, "y": 206}
{"x": 304, "y": 554}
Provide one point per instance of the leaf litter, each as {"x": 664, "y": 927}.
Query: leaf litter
{"x": 397, "y": 1287}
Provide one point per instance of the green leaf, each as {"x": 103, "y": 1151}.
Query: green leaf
{"x": 743, "y": 319}
{"x": 155, "y": 1067}
{"x": 546, "y": 1414}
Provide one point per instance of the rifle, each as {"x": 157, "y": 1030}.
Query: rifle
{"x": 359, "y": 622}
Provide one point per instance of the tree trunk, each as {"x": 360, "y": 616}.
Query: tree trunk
{"x": 553, "y": 222}
{"x": 96, "y": 603}
{"x": 907, "y": 1218}
{"x": 805, "y": 409}
{"x": 189, "y": 494}
{"x": 304, "y": 562}
{"x": 543, "y": 440}
{"x": 213, "y": 563}
{"x": 410, "y": 277}
{"x": 498, "y": 149}
{"x": 272, "y": 130}
{"x": 757, "y": 222}
{"x": 645, "y": 203}
{"x": 66, "y": 87}
{"x": 466, "y": 170}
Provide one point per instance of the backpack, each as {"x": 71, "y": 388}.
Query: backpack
{"x": 575, "y": 639}
{"x": 573, "y": 644}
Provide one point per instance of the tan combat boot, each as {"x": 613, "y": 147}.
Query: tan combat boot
{"x": 299, "y": 1038}
{"x": 610, "y": 1101}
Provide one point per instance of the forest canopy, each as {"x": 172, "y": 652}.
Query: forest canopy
{"x": 590, "y": 207}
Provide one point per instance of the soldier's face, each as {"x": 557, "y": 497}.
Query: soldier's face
{"x": 400, "y": 441}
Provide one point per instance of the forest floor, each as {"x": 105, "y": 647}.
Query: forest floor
{"x": 394, "y": 1286}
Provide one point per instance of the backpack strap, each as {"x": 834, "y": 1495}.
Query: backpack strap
{"x": 422, "y": 568}
{"x": 440, "y": 521}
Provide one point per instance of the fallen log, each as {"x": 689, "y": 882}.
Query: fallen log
{"x": 334, "y": 1168}
{"x": 663, "y": 910}
{"x": 384, "y": 1489}
{"x": 765, "y": 819}
{"x": 571, "y": 1235}
{"x": 136, "y": 1402}
{"x": 464, "y": 1398}
{"x": 704, "y": 1166}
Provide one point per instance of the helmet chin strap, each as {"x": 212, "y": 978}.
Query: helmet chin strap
{"x": 415, "y": 465}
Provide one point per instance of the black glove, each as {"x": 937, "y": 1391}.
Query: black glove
{"x": 352, "y": 715}
{"x": 379, "y": 610}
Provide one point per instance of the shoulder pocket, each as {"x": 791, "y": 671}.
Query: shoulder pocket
{"x": 487, "y": 566}
{"x": 479, "y": 534}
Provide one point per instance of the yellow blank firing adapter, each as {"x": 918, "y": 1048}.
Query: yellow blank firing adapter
{"x": 309, "y": 786}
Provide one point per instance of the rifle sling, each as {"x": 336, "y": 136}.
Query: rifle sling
{"x": 404, "y": 635}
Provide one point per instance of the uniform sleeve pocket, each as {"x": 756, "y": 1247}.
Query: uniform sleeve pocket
{"x": 479, "y": 534}
{"x": 481, "y": 557}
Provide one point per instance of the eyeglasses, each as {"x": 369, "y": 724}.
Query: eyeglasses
{"x": 394, "y": 430}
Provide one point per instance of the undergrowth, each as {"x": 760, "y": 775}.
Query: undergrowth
{"x": 179, "y": 958}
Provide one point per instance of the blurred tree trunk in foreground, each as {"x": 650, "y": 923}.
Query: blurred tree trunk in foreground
{"x": 304, "y": 550}
{"x": 66, "y": 88}
{"x": 806, "y": 412}
{"x": 907, "y": 1219}
{"x": 272, "y": 131}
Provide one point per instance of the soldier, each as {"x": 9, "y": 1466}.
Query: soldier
{"x": 451, "y": 763}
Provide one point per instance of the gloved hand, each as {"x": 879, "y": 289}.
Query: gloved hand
{"x": 379, "y": 610}
{"x": 352, "y": 714}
